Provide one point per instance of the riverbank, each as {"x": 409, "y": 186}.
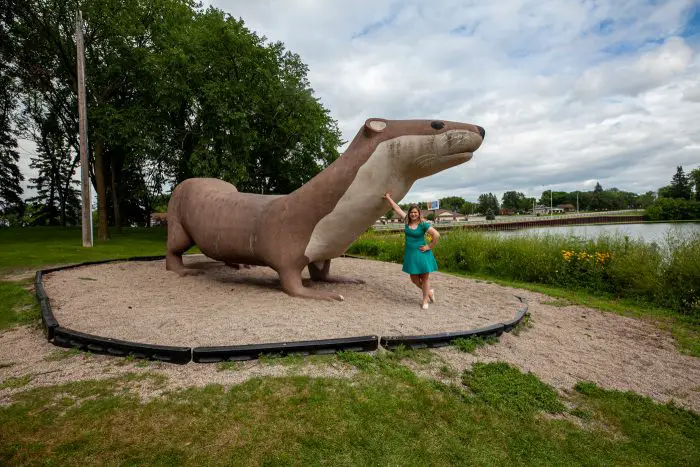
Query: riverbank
{"x": 616, "y": 266}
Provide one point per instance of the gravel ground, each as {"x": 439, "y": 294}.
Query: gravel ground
{"x": 140, "y": 301}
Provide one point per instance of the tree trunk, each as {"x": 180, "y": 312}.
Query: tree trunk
{"x": 115, "y": 195}
{"x": 101, "y": 188}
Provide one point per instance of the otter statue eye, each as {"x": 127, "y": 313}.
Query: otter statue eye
{"x": 437, "y": 125}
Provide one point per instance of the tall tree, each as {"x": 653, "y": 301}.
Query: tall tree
{"x": 10, "y": 176}
{"x": 57, "y": 198}
{"x": 488, "y": 202}
{"x": 680, "y": 185}
{"x": 694, "y": 177}
{"x": 514, "y": 200}
{"x": 646, "y": 200}
{"x": 173, "y": 92}
{"x": 239, "y": 109}
{"x": 468, "y": 208}
{"x": 453, "y": 203}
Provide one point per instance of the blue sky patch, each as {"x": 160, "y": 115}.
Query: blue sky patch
{"x": 377, "y": 25}
{"x": 692, "y": 25}
{"x": 628, "y": 47}
{"x": 605, "y": 27}
{"x": 465, "y": 29}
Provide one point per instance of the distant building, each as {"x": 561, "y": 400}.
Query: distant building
{"x": 540, "y": 209}
{"x": 159, "y": 219}
{"x": 567, "y": 207}
{"x": 443, "y": 215}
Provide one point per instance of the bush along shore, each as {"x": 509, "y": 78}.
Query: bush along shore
{"x": 665, "y": 275}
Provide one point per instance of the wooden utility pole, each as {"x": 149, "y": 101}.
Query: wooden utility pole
{"x": 82, "y": 115}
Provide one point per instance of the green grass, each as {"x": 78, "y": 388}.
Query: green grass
{"x": 58, "y": 355}
{"x": 15, "y": 382}
{"x": 229, "y": 366}
{"x": 384, "y": 415}
{"x": 507, "y": 389}
{"x": 17, "y": 304}
{"x": 31, "y": 248}
{"x": 470, "y": 344}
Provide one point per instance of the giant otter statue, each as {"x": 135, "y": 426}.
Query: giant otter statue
{"x": 321, "y": 219}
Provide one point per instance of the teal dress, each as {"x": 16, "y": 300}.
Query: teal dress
{"x": 414, "y": 260}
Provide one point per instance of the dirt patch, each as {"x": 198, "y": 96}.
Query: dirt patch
{"x": 573, "y": 343}
{"x": 565, "y": 344}
{"x": 142, "y": 302}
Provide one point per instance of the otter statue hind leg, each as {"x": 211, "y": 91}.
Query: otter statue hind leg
{"x": 292, "y": 285}
{"x": 178, "y": 243}
{"x": 321, "y": 274}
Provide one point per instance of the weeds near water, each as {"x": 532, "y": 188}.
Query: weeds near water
{"x": 666, "y": 275}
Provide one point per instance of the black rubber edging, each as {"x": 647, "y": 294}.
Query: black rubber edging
{"x": 64, "y": 337}
{"x": 103, "y": 261}
{"x": 47, "y": 316}
{"x": 445, "y": 338}
{"x": 313, "y": 347}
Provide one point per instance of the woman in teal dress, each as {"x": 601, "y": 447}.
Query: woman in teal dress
{"x": 418, "y": 258}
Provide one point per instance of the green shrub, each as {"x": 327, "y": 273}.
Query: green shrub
{"x": 668, "y": 276}
{"x": 672, "y": 209}
{"x": 681, "y": 275}
{"x": 636, "y": 270}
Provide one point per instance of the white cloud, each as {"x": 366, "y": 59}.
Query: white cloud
{"x": 692, "y": 93}
{"x": 569, "y": 93}
{"x": 637, "y": 74}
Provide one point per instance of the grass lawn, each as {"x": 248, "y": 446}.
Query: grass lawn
{"x": 384, "y": 414}
{"x": 29, "y": 249}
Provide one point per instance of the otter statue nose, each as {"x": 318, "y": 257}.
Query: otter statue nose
{"x": 482, "y": 132}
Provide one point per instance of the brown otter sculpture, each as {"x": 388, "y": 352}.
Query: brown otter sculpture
{"x": 321, "y": 219}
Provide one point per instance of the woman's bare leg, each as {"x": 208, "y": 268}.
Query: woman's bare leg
{"x": 425, "y": 286}
{"x": 416, "y": 279}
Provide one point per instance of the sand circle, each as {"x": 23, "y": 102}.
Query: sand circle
{"x": 140, "y": 301}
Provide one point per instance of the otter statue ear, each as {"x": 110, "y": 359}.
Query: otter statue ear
{"x": 375, "y": 125}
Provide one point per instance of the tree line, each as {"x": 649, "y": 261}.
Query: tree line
{"x": 679, "y": 200}
{"x": 173, "y": 91}
{"x": 677, "y": 197}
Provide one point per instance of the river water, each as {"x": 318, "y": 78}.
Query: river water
{"x": 656, "y": 232}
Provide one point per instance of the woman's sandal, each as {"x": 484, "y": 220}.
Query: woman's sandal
{"x": 425, "y": 306}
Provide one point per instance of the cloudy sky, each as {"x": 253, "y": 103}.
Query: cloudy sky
{"x": 569, "y": 92}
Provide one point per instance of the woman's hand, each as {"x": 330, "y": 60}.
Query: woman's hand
{"x": 394, "y": 206}
{"x": 424, "y": 248}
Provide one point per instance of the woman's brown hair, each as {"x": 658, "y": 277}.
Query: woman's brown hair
{"x": 420, "y": 215}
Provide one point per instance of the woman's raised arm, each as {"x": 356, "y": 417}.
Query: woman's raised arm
{"x": 395, "y": 207}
